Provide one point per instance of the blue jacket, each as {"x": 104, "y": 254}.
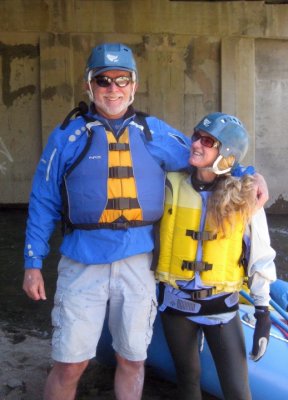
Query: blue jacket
{"x": 169, "y": 148}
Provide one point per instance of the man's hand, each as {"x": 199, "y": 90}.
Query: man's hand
{"x": 262, "y": 194}
{"x": 33, "y": 284}
{"x": 261, "y": 333}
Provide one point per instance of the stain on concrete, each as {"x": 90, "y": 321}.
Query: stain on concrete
{"x": 8, "y": 53}
{"x": 64, "y": 90}
{"x": 198, "y": 52}
{"x": 50, "y": 64}
{"x": 64, "y": 40}
{"x": 58, "y": 39}
{"x": 138, "y": 49}
{"x": 197, "y": 55}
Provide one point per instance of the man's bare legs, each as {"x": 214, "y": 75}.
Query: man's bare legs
{"x": 63, "y": 380}
{"x": 129, "y": 379}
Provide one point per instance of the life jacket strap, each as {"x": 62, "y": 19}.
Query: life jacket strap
{"x": 196, "y": 266}
{"x": 120, "y": 172}
{"x": 204, "y": 235}
{"x": 122, "y": 203}
{"x": 119, "y": 146}
{"x": 107, "y": 225}
{"x": 217, "y": 305}
{"x": 199, "y": 294}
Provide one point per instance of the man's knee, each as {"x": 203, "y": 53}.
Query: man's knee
{"x": 69, "y": 372}
{"x": 129, "y": 365}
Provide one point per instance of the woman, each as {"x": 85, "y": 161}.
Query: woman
{"x": 209, "y": 244}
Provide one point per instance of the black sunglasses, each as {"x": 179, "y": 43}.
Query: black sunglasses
{"x": 206, "y": 141}
{"x": 106, "y": 81}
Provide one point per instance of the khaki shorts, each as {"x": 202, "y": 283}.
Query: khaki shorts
{"x": 81, "y": 303}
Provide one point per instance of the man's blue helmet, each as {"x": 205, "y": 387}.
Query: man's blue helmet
{"x": 111, "y": 56}
{"x": 230, "y": 133}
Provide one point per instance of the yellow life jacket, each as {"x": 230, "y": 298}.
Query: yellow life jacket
{"x": 180, "y": 236}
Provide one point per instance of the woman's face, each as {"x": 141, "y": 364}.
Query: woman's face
{"x": 204, "y": 150}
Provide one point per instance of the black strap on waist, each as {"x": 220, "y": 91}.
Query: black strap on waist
{"x": 196, "y": 266}
{"x": 217, "y": 305}
{"x": 120, "y": 172}
{"x": 108, "y": 225}
{"x": 119, "y": 146}
{"x": 199, "y": 294}
{"x": 204, "y": 235}
{"x": 122, "y": 203}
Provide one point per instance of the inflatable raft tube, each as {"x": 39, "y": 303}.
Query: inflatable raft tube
{"x": 268, "y": 377}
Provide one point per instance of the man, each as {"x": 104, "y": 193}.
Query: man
{"x": 103, "y": 173}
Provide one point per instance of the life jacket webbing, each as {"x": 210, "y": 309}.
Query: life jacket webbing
{"x": 196, "y": 266}
{"x": 122, "y": 203}
{"x": 109, "y": 225}
{"x": 198, "y": 306}
{"x": 120, "y": 172}
{"x": 114, "y": 172}
{"x": 204, "y": 235}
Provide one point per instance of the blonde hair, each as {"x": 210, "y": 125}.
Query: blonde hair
{"x": 232, "y": 198}
{"x": 226, "y": 162}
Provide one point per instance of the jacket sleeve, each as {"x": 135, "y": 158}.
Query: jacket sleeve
{"x": 44, "y": 203}
{"x": 261, "y": 267}
{"x": 169, "y": 146}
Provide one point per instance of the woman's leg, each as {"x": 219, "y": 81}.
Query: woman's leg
{"x": 182, "y": 338}
{"x": 227, "y": 345}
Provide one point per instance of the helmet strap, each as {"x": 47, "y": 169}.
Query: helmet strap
{"x": 90, "y": 92}
{"x": 215, "y": 168}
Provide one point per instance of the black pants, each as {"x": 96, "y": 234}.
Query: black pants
{"x": 227, "y": 346}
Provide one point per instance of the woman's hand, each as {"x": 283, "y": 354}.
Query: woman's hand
{"x": 261, "y": 188}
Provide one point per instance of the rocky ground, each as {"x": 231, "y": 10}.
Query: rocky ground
{"x": 25, "y": 363}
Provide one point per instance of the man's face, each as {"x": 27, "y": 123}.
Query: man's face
{"x": 112, "y": 101}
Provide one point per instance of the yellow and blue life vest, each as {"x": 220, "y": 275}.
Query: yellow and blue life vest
{"x": 123, "y": 194}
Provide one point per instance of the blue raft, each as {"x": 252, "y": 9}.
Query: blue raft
{"x": 268, "y": 377}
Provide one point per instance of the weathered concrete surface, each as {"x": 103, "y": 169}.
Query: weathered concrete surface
{"x": 193, "y": 58}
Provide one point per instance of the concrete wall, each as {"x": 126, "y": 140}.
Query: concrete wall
{"x": 193, "y": 58}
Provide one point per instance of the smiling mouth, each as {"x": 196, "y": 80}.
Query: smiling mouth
{"x": 113, "y": 98}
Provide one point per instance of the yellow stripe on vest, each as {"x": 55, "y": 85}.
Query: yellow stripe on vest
{"x": 120, "y": 187}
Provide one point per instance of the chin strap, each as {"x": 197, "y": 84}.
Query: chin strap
{"x": 215, "y": 168}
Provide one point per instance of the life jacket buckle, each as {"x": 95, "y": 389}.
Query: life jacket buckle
{"x": 204, "y": 235}
{"x": 200, "y": 294}
{"x": 196, "y": 266}
{"x": 119, "y": 225}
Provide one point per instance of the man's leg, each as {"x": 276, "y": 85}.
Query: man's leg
{"x": 131, "y": 316}
{"x": 129, "y": 379}
{"x": 62, "y": 381}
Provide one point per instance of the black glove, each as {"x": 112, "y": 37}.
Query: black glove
{"x": 261, "y": 332}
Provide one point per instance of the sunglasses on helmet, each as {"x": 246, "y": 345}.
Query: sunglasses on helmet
{"x": 206, "y": 141}
{"x": 105, "y": 81}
